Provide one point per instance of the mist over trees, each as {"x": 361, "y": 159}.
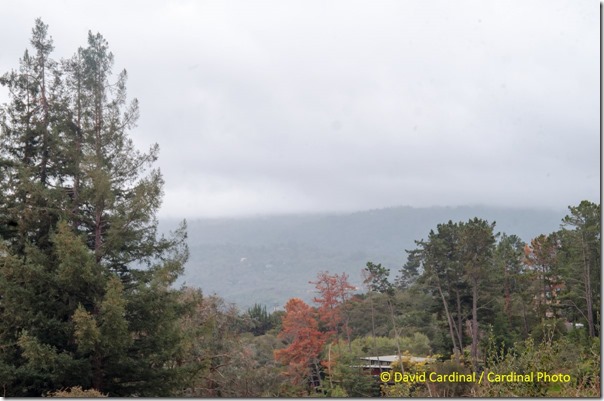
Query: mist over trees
{"x": 89, "y": 305}
{"x": 264, "y": 259}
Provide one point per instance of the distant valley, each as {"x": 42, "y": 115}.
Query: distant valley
{"x": 270, "y": 259}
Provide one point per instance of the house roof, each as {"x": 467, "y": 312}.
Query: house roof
{"x": 392, "y": 358}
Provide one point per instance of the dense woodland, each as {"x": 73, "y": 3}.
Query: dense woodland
{"x": 88, "y": 304}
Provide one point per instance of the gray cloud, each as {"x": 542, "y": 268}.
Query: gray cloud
{"x": 269, "y": 106}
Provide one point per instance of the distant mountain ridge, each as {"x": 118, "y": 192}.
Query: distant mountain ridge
{"x": 270, "y": 259}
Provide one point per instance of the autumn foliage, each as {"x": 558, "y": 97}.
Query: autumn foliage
{"x": 334, "y": 291}
{"x": 301, "y": 330}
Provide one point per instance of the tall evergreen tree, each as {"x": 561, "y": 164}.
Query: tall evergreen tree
{"x": 443, "y": 277}
{"x": 476, "y": 250}
{"x": 376, "y": 278}
{"x": 581, "y": 262}
{"x": 541, "y": 256}
{"x": 29, "y": 170}
{"x": 512, "y": 281}
{"x": 457, "y": 262}
{"x": 85, "y": 297}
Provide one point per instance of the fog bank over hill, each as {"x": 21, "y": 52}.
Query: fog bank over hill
{"x": 269, "y": 259}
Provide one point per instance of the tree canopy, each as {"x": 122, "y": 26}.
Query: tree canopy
{"x": 88, "y": 305}
{"x": 84, "y": 276}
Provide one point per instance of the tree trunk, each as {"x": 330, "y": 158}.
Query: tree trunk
{"x": 588, "y": 293}
{"x": 97, "y": 375}
{"x": 456, "y": 350}
{"x": 97, "y": 233}
{"x": 508, "y": 299}
{"x": 459, "y": 326}
{"x": 398, "y": 347}
{"x": 45, "y": 120}
{"x": 474, "y": 324}
{"x": 78, "y": 146}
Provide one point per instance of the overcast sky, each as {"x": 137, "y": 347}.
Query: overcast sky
{"x": 299, "y": 106}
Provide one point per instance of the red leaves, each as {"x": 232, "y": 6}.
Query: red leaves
{"x": 300, "y": 327}
{"x": 334, "y": 291}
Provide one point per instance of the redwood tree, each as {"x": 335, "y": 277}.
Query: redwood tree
{"x": 85, "y": 297}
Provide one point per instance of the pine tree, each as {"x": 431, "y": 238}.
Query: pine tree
{"x": 476, "y": 249}
{"x": 581, "y": 263}
{"x": 443, "y": 277}
{"x": 510, "y": 279}
{"x": 542, "y": 257}
{"x": 457, "y": 262}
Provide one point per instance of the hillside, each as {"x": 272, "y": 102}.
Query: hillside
{"x": 270, "y": 259}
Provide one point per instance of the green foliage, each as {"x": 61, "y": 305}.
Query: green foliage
{"x": 548, "y": 330}
{"x": 349, "y": 380}
{"x": 218, "y": 359}
{"x": 225, "y": 362}
{"x": 368, "y": 346}
{"x": 410, "y": 271}
{"x": 396, "y": 390}
{"x": 580, "y": 264}
{"x": 77, "y": 270}
{"x": 563, "y": 356}
{"x": 38, "y": 355}
{"x": 86, "y": 296}
{"x": 369, "y": 315}
{"x": 112, "y": 315}
{"x": 450, "y": 389}
{"x": 444, "y": 279}
{"x": 417, "y": 344}
{"x": 511, "y": 316}
{"x": 259, "y": 321}
{"x": 77, "y": 223}
{"x": 408, "y": 389}
{"x": 376, "y": 277}
{"x": 87, "y": 334}
{"x": 247, "y": 375}
{"x": 343, "y": 364}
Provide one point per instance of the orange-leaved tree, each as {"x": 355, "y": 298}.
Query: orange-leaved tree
{"x": 334, "y": 291}
{"x": 301, "y": 330}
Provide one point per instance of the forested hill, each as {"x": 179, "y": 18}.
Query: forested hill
{"x": 92, "y": 301}
{"x": 271, "y": 259}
